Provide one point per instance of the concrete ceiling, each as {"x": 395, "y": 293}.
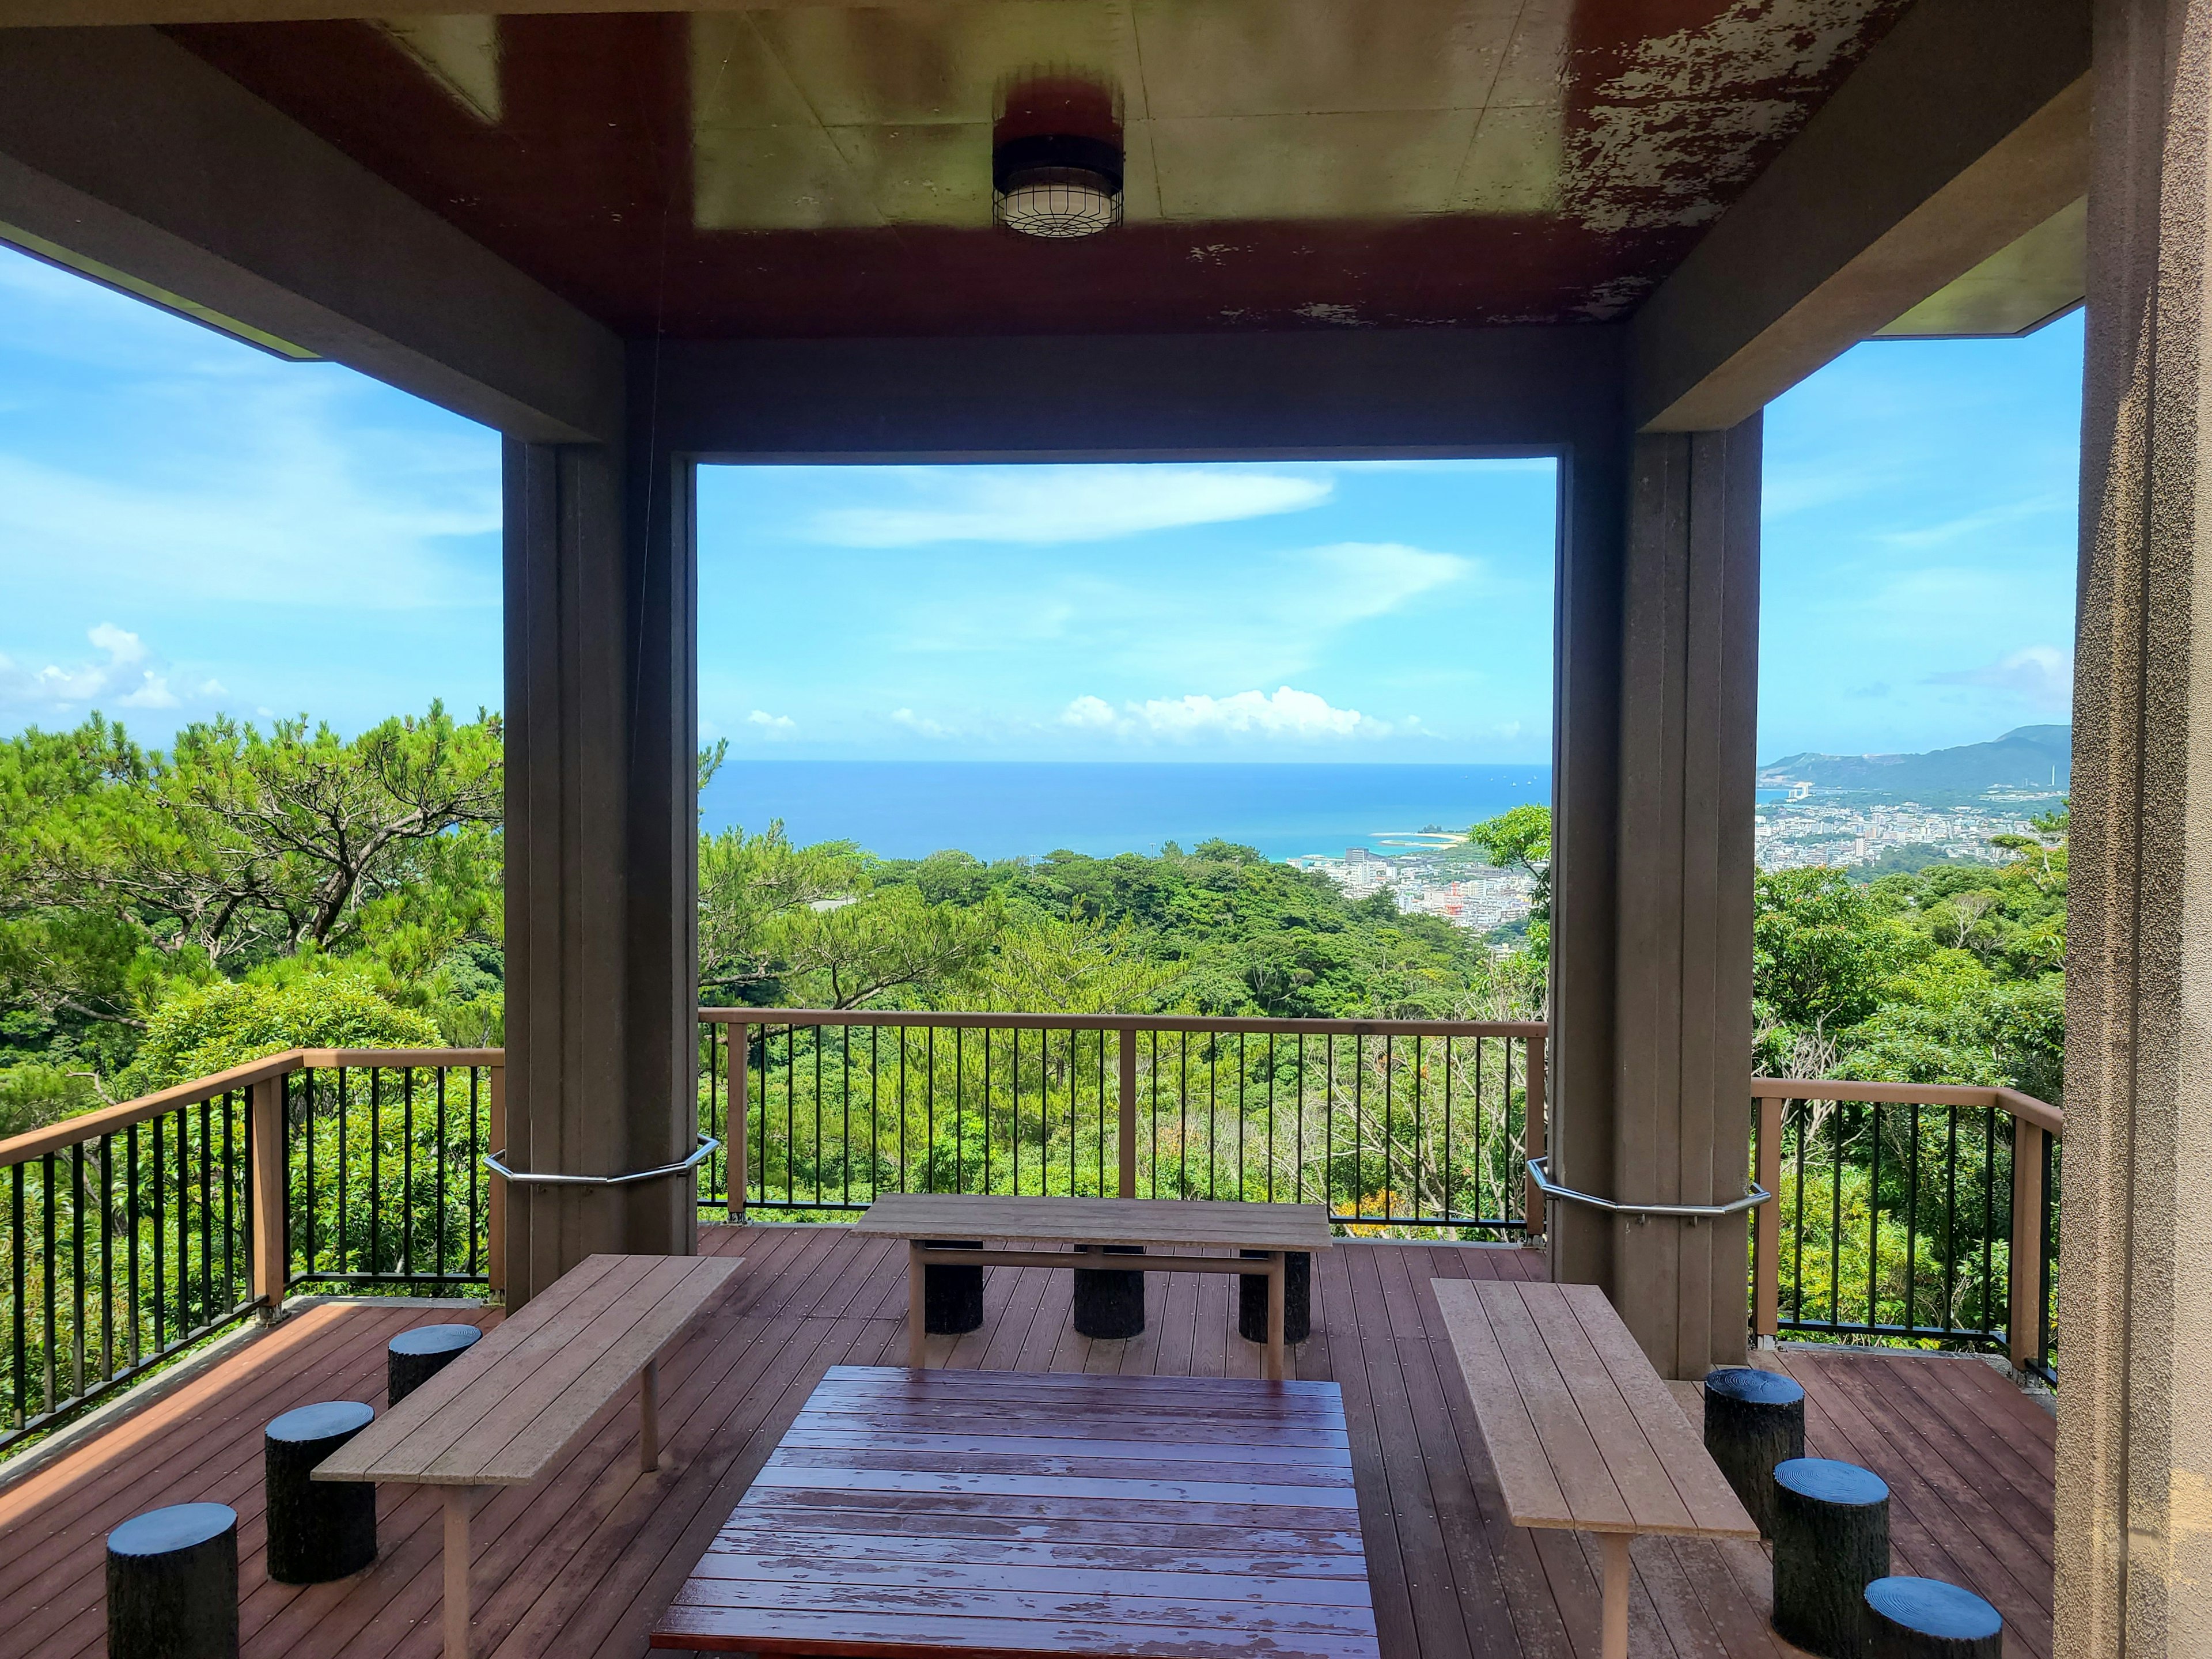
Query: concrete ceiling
{"x": 822, "y": 170}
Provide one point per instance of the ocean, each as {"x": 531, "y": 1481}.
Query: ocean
{"x": 1009, "y": 809}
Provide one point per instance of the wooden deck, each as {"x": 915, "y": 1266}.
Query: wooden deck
{"x": 584, "y": 1561}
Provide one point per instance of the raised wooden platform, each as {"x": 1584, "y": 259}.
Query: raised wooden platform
{"x": 584, "y": 1561}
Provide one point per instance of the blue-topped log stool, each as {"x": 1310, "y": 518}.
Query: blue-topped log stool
{"x": 1109, "y": 1305}
{"x": 1831, "y": 1541}
{"x": 1928, "y": 1619}
{"x": 173, "y": 1584}
{"x": 417, "y": 1355}
{"x": 317, "y": 1531}
{"x": 1754, "y": 1420}
{"x": 953, "y": 1298}
{"x": 1297, "y": 1298}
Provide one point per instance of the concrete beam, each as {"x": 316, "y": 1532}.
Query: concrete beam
{"x": 123, "y": 154}
{"x": 1964, "y": 129}
{"x": 1435, "y": 392}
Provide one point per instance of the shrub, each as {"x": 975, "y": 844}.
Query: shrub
{"x": 214, "y": 1027}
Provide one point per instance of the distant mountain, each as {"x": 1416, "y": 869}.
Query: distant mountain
{"x": 2032, "y": 757}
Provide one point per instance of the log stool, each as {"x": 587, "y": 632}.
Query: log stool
{"x": 951, "y": 1297}
{"x": 1109, "y": 1304}
{"x": 319, "y": 1530}
{"x": 1831, "y": 1541}
{"x": 417, "y": 1355}
{"x": 1928, "y": 1619}
{"x": 173, "y": 1584}
{"x": 1754, "y": 1420}
{"x": 1297, "y": 1298}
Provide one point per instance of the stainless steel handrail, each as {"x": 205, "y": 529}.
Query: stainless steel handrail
{"x": 1757, "y": 1196}
{"x": 707, "y": 1146}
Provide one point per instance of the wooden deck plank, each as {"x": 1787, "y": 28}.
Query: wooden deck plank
{"x": 585, "y": 1559}
{"x": 1927, "y": 1535}
{"x": 1913, "y": 1447}
{"x": 1438, "y": 1625}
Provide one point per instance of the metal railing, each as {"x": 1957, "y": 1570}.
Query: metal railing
{"x": 1901, "y": 1212}
{"x": 1402, "y": 1124}
{"x": 134, "y": 1232}
{"x": 1910, "y": 1212}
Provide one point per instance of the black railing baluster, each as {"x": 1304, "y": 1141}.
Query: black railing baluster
{"x": 438, "y": 1215}
{"x": 47, "y": 1274}
{"x": 18, "y": 1237}
{"x": 375, "y": 1169}
{"x": 107, "y": 1258}
{"x": 406, "y": 1263}
{"x": 76, "y": 1267}
{"x": 1912, "y": 1228}
{"x": 160, "y": 1242}
{"x": 1950, "y": 1216}
{"x": 339, "y": 1255}
{"x": 1874, "y": 1220}
{"x": 478, "y": 1219}
{"x": 229, "y": 1215}
{"x": 1271, "y": 1117}
{"x": 130, "y": 1190}
{"x": 1990, "y": 1215}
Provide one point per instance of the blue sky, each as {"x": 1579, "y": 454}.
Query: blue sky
{"x": 188, "y": 526}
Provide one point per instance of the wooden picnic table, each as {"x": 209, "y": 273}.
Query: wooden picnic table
{"x": 1583, "y": 1433}
{"x": 511, "y": 1404}
{"x": 1184, "y": 1224}
{"x": 918, "y": 1515}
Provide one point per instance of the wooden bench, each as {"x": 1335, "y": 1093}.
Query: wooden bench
{"x": 1184, "y": 1223}
{"x": 504, "y": 1411}
{"x": 1582, "y": 1432}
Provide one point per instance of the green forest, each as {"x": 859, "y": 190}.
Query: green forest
{"x": 164, "y": 915}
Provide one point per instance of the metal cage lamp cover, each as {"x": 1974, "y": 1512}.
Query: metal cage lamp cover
{"x": 1057, "y": 186}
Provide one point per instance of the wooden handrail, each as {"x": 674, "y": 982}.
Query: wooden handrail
{"x": 90, "y": 1126}
{"x": 2041, "y": 1112}
{"x": 1194, "y": 1023}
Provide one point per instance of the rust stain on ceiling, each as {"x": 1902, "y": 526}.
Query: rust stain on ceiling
{"x": 825, "y": 169}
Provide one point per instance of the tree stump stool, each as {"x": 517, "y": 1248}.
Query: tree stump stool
{"x": 1109, "y": 1305}
{"x": 1831, "y": 1541}
{"x": 951, "y": 1297}
{"x": 1754, "y": 1420}
{"x": 173, "y": 1584}
{"x": 1928, "y": 1619}
{"x": 319, "y": 1530}
{"x": 417, "y": 1355}
{"x": 1297, "y": 1298}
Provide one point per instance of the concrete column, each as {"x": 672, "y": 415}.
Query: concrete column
{"x": 2135, "y": 1316}
{"x": 601, "y": 859}
{"x": 1656, "y": 985}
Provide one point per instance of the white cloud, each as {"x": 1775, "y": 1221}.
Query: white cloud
{"x": 1351, "y": 581}
{"x": 773, "y": 722}
{"x": 1286, "y": 713}
{"x": 1969, "y": 525}
{"x": 2039, "y": 675}
{"x": 920, "y": 725}
{"x": 1262, "y": 619}
{"x": 127, "y": 677}
{"x": 1046, "y": 504}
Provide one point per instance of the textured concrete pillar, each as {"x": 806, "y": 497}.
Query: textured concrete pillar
{"x": 2135, "y": 1316}
{"x": 1663, "y": 1116}
{"x": 601, "y": 857}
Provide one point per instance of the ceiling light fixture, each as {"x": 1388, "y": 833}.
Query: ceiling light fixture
{"x": 1057, "y": 185}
